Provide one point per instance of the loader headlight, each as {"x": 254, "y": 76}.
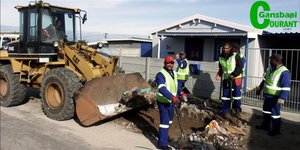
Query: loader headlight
{"x": 55, "y": 44}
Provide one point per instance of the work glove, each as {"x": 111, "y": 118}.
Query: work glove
{"x": 280, "y": 101}
{"x": 175, "y": 100}
{"x": 183, "y": 96}
{"x": 258, "y": 90}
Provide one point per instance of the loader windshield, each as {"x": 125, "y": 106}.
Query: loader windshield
{"x": 57, "y": 24}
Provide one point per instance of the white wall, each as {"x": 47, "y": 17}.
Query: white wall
{"x": 167, "y": 44}
{"x": 155, "y": 40}
{"x": 255, "y": 67}
{"x": 124, "y": 49}
{"x": 203, "y": 85}
{"x": 170, "y": 44}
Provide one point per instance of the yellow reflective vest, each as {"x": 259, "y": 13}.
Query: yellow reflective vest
{"x": 171, "y": 85}
{"x": 183, "y": 74}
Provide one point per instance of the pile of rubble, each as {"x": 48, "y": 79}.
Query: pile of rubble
{"x": 222, "y": 137}
{"x": 219, "y": 132}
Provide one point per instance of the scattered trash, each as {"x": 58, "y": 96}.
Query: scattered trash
{"x": 217, "y": 132}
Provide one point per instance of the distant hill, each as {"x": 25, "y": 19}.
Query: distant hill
{"x": 88, "y": 36}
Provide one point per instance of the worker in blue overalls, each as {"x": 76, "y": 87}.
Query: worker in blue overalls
{"x": 230, "y": 67}
{"x": 167, "y": 95}
{"x": 275, "y": 86}
{"x": 236, "y": 49}
{"x": 183, "y": 70}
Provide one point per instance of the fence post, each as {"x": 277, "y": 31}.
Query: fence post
{"x": 147, "y": 68}
{"x": 120, "y": 61}
{"x": 246, "y": 66}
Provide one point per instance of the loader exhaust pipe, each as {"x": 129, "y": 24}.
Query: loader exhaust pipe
{"x": 105, "y": 97}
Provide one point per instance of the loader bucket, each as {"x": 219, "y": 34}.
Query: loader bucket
{"x": 102, "y": 98}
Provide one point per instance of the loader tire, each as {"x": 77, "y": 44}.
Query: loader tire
{"x": 57, "y": 91}
{"x": 12, "y": 93}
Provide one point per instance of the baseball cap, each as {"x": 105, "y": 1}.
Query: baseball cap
{"x": 169, "y": 59}
{"x": 182, "y": 52}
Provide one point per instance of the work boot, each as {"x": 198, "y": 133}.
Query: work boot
{"x": 276, "y": 123}
{"x": 233, "y": 112}
{"x": 238, "y": 113}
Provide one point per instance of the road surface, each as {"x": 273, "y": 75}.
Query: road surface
{"x": 26, "y": 127}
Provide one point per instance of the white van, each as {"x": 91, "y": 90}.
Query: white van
{"x": 8, "y": 37}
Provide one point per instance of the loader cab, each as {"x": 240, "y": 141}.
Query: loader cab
{"x": 43, "y": 25}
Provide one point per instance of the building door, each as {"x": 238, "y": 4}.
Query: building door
{"x": 194, "y": 48}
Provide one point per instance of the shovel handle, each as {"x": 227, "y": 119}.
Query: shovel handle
{"x": 177, "y": 115}
{"x": 230, "y": 92}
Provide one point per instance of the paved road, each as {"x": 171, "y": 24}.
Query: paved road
{"x": 26, "y": 127}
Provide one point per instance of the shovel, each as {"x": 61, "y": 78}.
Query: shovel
{"x": 182, "y": 135}
{"x": 183, "y": 141}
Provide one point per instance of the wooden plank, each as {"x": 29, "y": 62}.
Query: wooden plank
{"x": 233, "y": 130}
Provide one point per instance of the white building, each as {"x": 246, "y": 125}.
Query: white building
{"x": 201, "y": 37}
{"x": 130, "y": 47}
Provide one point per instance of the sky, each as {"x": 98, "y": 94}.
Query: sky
{"x": 140, "y": 17}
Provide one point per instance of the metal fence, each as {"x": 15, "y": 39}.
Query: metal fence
{"x": 205, "y": 85}
{"x": 257, "y": 63}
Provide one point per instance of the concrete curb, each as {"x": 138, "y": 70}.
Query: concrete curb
{"x": 286, "y": 116}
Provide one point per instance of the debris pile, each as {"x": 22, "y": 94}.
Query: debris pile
{"x": 220, "y": 136}
{"x": 138, "y": 96}
{"x": 218, "y": 132}
{"x": 212, "y": 130}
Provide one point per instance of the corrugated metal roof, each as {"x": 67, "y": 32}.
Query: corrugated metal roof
{"x": 265, "y": 33}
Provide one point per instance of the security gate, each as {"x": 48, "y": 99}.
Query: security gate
{"x": 257, "y": 63}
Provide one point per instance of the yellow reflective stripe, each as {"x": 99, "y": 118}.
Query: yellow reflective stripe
{"x": 164, "y": 126}
{"x": 286, "y": 89}
{"x": 267, "y": 112}
{"x": 275, "y": 117}
{"x": 174, "y": 94}
{"x": 278, "y": 88}
{"x": 161, "y": 85}
{"x": 225, "y": 98}
{"x": 182, "y": 73}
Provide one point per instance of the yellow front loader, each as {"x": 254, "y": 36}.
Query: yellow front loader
{"x": 73, "y": 78}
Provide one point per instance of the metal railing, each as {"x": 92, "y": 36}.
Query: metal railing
{"x": 257, "y": 63}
